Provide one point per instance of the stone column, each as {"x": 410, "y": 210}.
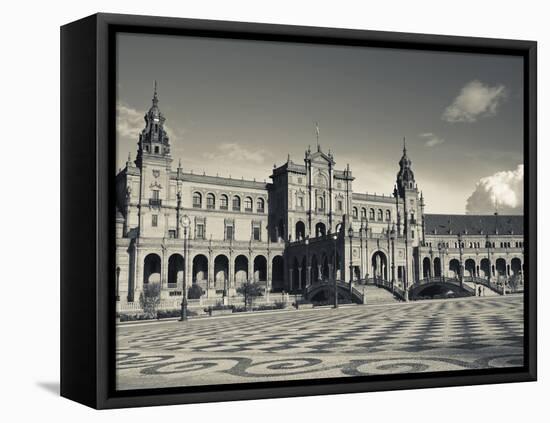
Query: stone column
{"x": 300, "y": 278}
{"x": 211, "y": 283}
{"x": 290, "y": 279}
{"x": 250, "y": 268}
{"x": 138, "y": 286}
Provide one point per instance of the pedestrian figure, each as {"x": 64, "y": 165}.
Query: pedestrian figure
{"x": 479, "y": 291}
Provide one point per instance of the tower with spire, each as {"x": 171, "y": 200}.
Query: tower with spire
{"x": 154, "y": 162}
{"x": 153, "y": 141}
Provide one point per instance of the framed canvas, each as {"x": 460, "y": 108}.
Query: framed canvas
{"x": 256, "y": 211}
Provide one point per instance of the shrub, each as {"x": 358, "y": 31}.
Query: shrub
{"x": 280, "y": 305}
{"x": 149, "y": 299}
{"x": 194, "y": 292}
{"x": 250, "y": 290}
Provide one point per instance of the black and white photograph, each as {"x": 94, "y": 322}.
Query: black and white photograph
{"x": 289, "y": 211}
{"x": 275, "y": 212}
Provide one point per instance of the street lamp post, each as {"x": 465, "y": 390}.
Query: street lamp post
{"x": 366, "y": 229}
{"x": 308, "y": 266}
{"x": 361, "y": 249}
{"x": 489, "y": 270}
{"x": 350, "y": 236}
{"x": 335, "y": 238}
{"x": 117, "y": 296}
{"x": 185, "y": 222}
{"x": 461, "y": 266}
{"x": 392, "y": 238}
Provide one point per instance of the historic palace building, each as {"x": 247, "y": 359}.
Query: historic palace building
{"x": 304, "y": 227}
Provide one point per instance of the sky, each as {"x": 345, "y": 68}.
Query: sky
{"x": 236, "y": 108}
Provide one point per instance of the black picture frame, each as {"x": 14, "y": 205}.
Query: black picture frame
{"x": 87, "y": 231}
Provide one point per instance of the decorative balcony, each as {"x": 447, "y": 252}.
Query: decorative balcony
{"x": 155, "y": 202}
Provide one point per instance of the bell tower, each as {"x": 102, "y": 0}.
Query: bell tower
{"x": 154, "y": 162}
{"x": 153, "y": 140}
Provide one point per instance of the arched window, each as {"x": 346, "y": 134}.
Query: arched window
{"x": 355, "y": 215}
{"x": 363, "y": 213}
{"x": 388, "y": 215}
{"x": 197, "y": 200}
{"x": 380, "y": 214}
{"x": 260, "y": 205}
{"x": 210, "y": 201}
{"x": 320, "y": 203}
{"x": 236, "y": 203}
{"x": 248, "y": 204}
{"x": 371, "y": 214}
{"x": 224, "y": 202}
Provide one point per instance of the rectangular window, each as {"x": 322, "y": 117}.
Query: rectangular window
{"x": 172, "y": 233}
{"x": 154, "y": 220}
{"x": 340, "y": 205}
{"x": 301, "y": 202}
{"x": 229, "y": 233}
{"x": 200, "y": 231}
{"x": 256, "y": 234}
{"x": 156, "y": 194}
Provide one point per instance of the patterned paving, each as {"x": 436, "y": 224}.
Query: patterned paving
{"x": 469, "y": 333}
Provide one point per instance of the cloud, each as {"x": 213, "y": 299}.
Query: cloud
{"x": 236, "y": 152}
{"x": 431, "y": 140}
{"x": 505, "y": 189}
{"x": 474, "y": 101}
{"x": 129, "y": 121}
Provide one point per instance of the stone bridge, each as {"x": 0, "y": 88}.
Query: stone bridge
{"x": 439, "y": 288}
{"x": 324, "y": 291}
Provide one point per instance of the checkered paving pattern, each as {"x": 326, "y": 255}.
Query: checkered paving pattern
{"x": 359, "y": 340}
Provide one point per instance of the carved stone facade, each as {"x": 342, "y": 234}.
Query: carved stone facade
{"x": 306, "y": 225}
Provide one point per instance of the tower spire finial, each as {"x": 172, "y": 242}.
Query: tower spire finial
{"x": 155, "y": 96}
{"x": 404, "y": 146}
{"x": 317, "y": 135}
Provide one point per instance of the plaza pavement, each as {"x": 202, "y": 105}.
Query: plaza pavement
{"x": 426, "y": 336}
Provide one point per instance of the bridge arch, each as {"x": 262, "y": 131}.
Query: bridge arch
{"x": 438, "y": 290}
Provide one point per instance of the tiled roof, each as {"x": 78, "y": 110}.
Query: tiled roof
{"x": 219, "y": 180}
{"x": 373, "y": 197}
{"x": 453, "y": 224}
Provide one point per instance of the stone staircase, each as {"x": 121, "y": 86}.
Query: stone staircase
{"x": 377, "y": 295}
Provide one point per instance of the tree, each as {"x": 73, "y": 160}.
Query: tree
{"x": 149, "y": 299}
{"x": 250, "y": 290}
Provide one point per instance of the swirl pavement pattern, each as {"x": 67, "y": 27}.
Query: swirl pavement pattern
{"x": 471, "y": 333}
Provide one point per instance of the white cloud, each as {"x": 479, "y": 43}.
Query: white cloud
{"x": 236, "y": 152}
{"x": 431, "y": 140}
{"x": 130, "y": 122}
{"x": 505, "y": 189}
{"x": 474, "y": 101}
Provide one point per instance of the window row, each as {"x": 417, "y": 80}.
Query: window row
{"x": 228, "y": 233}
{"x": 374, "y": 215}
{"x": 224, "y": 202}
